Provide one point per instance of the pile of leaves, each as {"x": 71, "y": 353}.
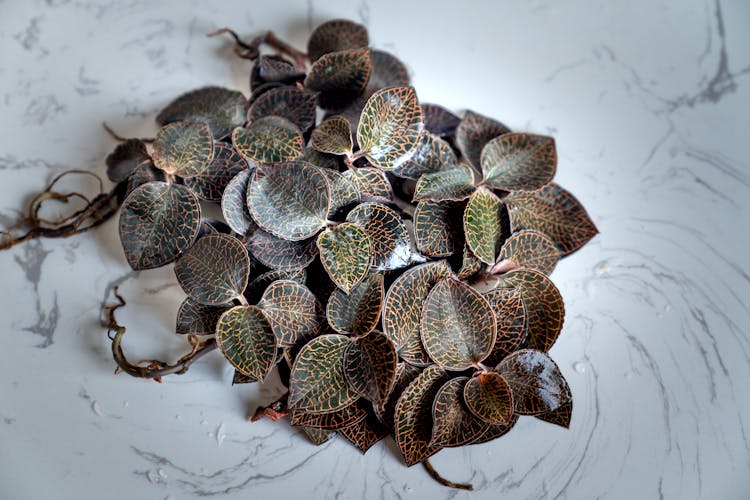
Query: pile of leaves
{"x": 387, "y": 257}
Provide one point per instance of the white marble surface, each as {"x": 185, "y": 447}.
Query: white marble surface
{"x": 649, "y": 102}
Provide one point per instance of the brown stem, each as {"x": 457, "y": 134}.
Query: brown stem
{"x": 299, "y": 57}
{"x": 251, "y": 50}
{"x": 120, "y": 138}
{"x": 275, "y": 411}
{"x": 440, "y": 479}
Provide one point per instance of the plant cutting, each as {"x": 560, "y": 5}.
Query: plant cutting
{"x": 386, "y": 257}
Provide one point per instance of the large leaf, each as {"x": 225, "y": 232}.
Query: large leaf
{"x": 537, "y": 384}
{"x": 474, "y": 132}
{"x": 458, "y": 325}
{"x": 432, "y": 154}
{"x": 402, "y": 309}
{"x": 530, "y": 249}
{"x": 292, "y": 311}
{"x": 126, "y": 158}
{"x": 289, "y": 200}
{"x": 370, "y": 366}
{"x": 519, "y": 162}
{"x": 333, "y": 136}
{"x": 271, "y": 139}
{"x": 349, "y": 415}
{"x": 234, "y": 203}
{"x": 158, "y": 221}
{"x": 482, "y": 225}
{"x": 317, "y": 383}
{"x": 222, "y": 109}
{"x": 390, "y": 127}
{"x": 194, "y": 318}
{"x": 346, "y": 253}
{"x": 488, "y": 396}
{"x": 454, "y": 184}
{"x": 334, "y": 36}
{"x": 183, "y": 148}
{"x": 210, "y": 184}
{"x": 277, "y": 253}
{"x": 214, "y": 270}
{"x": 292, "y": 103}
{"x": 545, "y": 309}
{"x": 391, "y": 247}
{"x": 438, "y": 120}
{"x": 555, "y": 212}
{"x": 340, "y": 77}
{"x": 438, "y": 227}
{"x": 453, "y": 423}
{"x": 561, "y": 416}
{"x": 510, "y": 313}
{"x": 357, "y": 312}
{"x": 365, "y": 433}
{"x": 246, "y": 339}
{"x": 412, "y": 421}
{"x": 372, "y": 183}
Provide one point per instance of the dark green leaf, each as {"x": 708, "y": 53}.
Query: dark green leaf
{"x": 340, "y": 77}
{"x": 343, "y": 192}
{"x": 333, "y": 136}
{"x": 358, "y": 312}
{"x": 438, "y": 120}
{"x": 365, "y": 434}
{"x": 519, "y": 162}
{"x": 560, "y": 416}
{"x": 195, "y": 318}
{"x": 257, "y": 287}
{"x": 292, "y": 103}
{"x": 126, "y": 158}
{"x": 482, "y": 219}
{"x": 277, "y": 253}
{"x": 530, "y": 249}
{"x": 234, "y": 203}
{"x": 346, "y": 253}
{"x": 370, "y": 366}
{"x": 391, "y": 247}
{"x": 270, "y": 139}
{"x": 470, "y": 263}
{"x": 183, "y": 148}
{"x": 510, "y": 313}
{"x": 222, "y": 109}
{"x": 209, "y": 185}
{"x": 474, "y": 132}
{"x": 438, "y": 227}
{"x": 488, "y": 396}
{"x": 334, "y": 36}
{"x": 349, "y": 415}
{"x": 432, "y": 154}
{"x": 292, "y": 311}
{"x": 454, "y": 184}
{"x": 372, "y": 184}
{"x": 537, "y": 384}
{"x": 453, "y": 423}
{"x": 246, "y": 339}
{"x": 405, "y": 374}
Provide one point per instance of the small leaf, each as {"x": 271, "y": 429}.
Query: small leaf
{"x": 333, "y": 136}
{"x": 346, "y": 252}
{"x": 561, "y": 416}
{"x": 158, "y": 221}
{"x": 496, "y": 431}
{"x": 470, "y": 263}
{"x": 241, "y": 378}
{"x": 510, "y": 313}
{"x": 257, "y": 287}
{"x": 214, "y": 270}
{"x": 340, "y": 77}
{"x": 372, "y": 183}
{"x": 438, "y": 227}
{"x": 412, "y": 422}
{"x": 458, "y": 325}
{"x": 370, "y": 366}
{"x": 194, "y": 318}
{"x": 273, "y": 69}
{"x": 289, "y": 200}
{"x": 488, "y": 396}
{"x": 277, "y": 253}
{"x": 357, "y": 312}
{"x": 334, "y": 36}
{"x": 536, "y": 382}
{"x": 474, "y": 132}
{"x": 343, "y": 192}
{"x": 387, "y": 71}
{"x": 317, "y": 436}
{"x": 210, "y": 184}
{"x": 555, "y": 212}
{"x": 246, "y": 339}
{"x": 432, "y": 154}
{"x": 390, "y": 127}
{"x": 453, "y": 423}
{"x": 291, "y": 103}
{"x": 222, "y": 109}
{"x": 482, "y": 219}
{"x": 391, "y": 247}
{"x": 183, "y": 148}
{"x": 405, "y": 374}
{"x": 292, "y": 311}
{"x": 317, "y": 383}
{"x": 402, "y": 309}
{"x": 544, "y": 306}
{"x": 270, "y": 139}
{"x": 530, "y": 249}
{"x": 438, "y": 120}
{"x": 455, "y": 184}
{"x": 365, "y": 433}
{"x": 349, "y": 415}
{"x": 519, "y": 162}
{"x": 125, "y": 159}
{"x": 234, "y": 203}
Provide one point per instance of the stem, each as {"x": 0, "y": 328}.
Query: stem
{"x": 252, "y": 50}
{"x": 275, "y": 411}
{"x": 356, "y": 156}
{"x": 349, "y": 161}
{"x": 440, "y": 479}
{"x": 299, "y": 57}
{"x": 483, "y": 368}
{"x": 243, "y": 300}
{"x": 120, "y": 138}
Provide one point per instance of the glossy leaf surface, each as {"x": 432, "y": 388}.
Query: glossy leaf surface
{"x": 454, "y": 184}
{"x": 292, "y": 103}
{"x": 530, "y": 249}
{"x": 183, "y": 148}
{"x": 338, "y": 419}
{"x": 561, "y": 416}
{"x": 519, "y": 162}
{"x": 365, "y": 434}
{"x": 391, "y": 247}
{"x": 278, "y": 253}
{"x": 292, "y": 311}
{"x": 339, "y": 77}
{"x": 438, "y": 227}
{"x": 510, "y": 313}
{"x": 405, "y": 374}
{"x": 222, "y": 109}
{"x": 370, "y": 366}
{"x": 343, "y": 191}
{"x": 372, "y": 184}
{"x": 194, "y": 318}
{"x": 270, "y": 139}
{"x": 482, "y": 225}
{"x": 474, "y": 132}
{"x": 438, "y": 120}
{"x": 210, "y": 184}
{"x": 333, "y": 136}
{"x": 536, "y": 382}
{"x": 488, "y": 396}
{"x": 357, "y": 312}
{"x": 453, "y": 423}
{"x": 346, "y": 253}
{"x": 245, "y": 338}
{"x": 234, "y": 203}
{"x": 432, "y": 154}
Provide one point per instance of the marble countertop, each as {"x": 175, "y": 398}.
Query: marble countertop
{"x": 648, "y": 101}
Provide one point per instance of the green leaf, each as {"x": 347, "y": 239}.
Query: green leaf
{"x": 270, "y": 139}
{"x": 482, "y": 225}
{"x": 530, "y": 249}
{"x": 334, "y": 36}
{"x": 277, "y": 253}
{"x": 510, "y": 312}
{"x": 402, "y": 309}
{"x": 194, "y": 318}
{"x": 214, "y": 270}
{"x": 357, "y": 312}
{"x": 458, "y": 325}
{"x": 390, "y": 127}
{"x": 412, "y": 422}
{"x": 453, "y": 423}
{"x": 291, "y": 103}
{"x": 537, "y": 384}
{"x": 370, "y": 366}
{"x": 372, "y": 184}
{"x": 292, "y": 310}
{"x": 183, "y": 148}
{"x": 474, "y": 132}
{"x": 544, "y": 306}
{"x": 488, "y": 396}
{"x": 246, "y": 339}
{"x": 432, "y": 154}
{"x": 470, "y": 263}
{"x": 343, "y": 192}
{"x": 438, "y": 120}
{"x": 555, "y": 212}
{"x": 289, "y": 200}
{"x": 158, "y": 221}
{"x": 349, "y": 415}
{"x": 126, "y": 158}
{"x": 391, "y": 247}
{"x": 333, "y": 136}
{"x": 317, "y": 383}
{"x": 257, "y": 287}
{"x": 346, "y": 252}
{"x": 339, "y": 77}
{"x": 438, "y": 227}
{"x": 234, "y": 203}
{"x": 222, "y": 109}
{"x": 519, "y": 162}
{"x": 210, "y": 184}
{"x": 455, "y": 184}
{"x": 365, "y": 433}
{"x": 561, "y": 416}
{"x": 405, "y": 374}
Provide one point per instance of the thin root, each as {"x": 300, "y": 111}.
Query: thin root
{"x": 440, "y": 479}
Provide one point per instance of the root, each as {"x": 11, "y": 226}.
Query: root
{"x": 440, "y": 479}
{"x": 251, "y": 50}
